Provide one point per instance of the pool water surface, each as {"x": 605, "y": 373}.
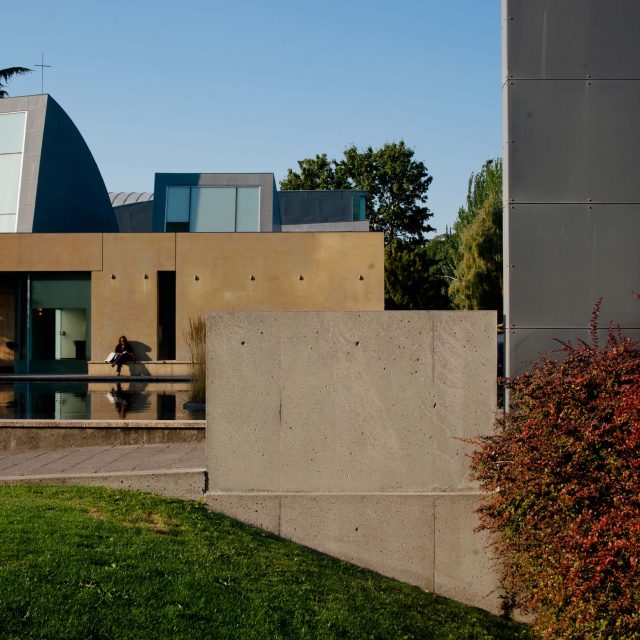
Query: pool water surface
{"x": 95, "y": 401}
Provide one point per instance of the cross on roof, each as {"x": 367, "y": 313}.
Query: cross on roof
{"x": 42, "y": 66}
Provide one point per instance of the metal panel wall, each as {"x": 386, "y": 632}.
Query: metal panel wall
{"x": 573, "y": 39}
{"x": 572, "y": 146}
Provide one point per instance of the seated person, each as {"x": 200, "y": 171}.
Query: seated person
{"x": 124, "y": 353}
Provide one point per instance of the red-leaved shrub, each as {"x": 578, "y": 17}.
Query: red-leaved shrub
{"x": 562, "y": 475}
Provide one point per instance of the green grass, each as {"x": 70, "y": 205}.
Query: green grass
{"x": 79, "y": 562}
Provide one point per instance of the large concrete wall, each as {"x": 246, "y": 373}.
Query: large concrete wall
{"x": 230, "y": 271}
{"x": 338, "y": 431}
{"x": 572, "y": 147}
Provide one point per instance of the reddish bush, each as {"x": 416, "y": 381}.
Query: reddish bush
{"x": 562, "y": 474}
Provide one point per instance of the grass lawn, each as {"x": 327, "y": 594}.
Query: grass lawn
{"x": 79, "y": 562}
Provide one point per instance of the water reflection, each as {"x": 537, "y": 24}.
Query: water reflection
{"x": 95, "y": 401}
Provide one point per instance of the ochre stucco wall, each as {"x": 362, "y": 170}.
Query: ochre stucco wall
{"x": 50, "y": 252}
{"x": 340, "y": 272}
{"x": 128, "y": 303}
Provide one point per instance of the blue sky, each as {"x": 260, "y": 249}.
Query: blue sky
{"x": 255, "y": 86}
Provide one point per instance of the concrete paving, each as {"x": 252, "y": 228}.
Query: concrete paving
{"x": 176, "y": 470}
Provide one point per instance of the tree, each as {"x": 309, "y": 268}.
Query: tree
{"x": 7, "y": 74}
{"x": 413, "y": 278}
{"x": 477, "y": 249}
{"x": 478, "y": 277}
{"x": 481, "y": 187}
{"x": 314, "y": 173}
{"x": 397, "y": 186}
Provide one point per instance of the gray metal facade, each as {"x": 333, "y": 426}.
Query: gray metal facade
{"x": 571, "y": 86}
{"x": 314, "y": 207}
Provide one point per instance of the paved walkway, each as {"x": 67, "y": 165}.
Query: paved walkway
{"x": 105, "y": 460}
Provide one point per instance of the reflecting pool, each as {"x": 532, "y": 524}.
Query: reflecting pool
{"x": 95, "y": 401}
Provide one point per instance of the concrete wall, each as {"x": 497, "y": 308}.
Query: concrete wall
{"x": 572, "y": 147}
{"x": 336, "y": 430}
{"x": 358, "y": 225}
{"x": 234, "y": 271}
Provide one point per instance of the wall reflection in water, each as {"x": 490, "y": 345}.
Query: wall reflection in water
{"x": 95, "y": 401}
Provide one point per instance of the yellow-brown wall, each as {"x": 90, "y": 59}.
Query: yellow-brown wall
{"x": 128, "y": 303}
{"x": 340, "y": 272}
{"x": 50, "y": 252}
{"x": 235, "y": 272}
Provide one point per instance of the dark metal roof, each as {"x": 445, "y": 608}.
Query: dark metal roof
{"x": 121, "y": 198}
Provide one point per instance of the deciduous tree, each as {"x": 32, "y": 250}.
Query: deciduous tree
{"x": 476, "y": 250}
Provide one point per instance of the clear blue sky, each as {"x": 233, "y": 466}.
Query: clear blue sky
{"x": 207, "y": 86}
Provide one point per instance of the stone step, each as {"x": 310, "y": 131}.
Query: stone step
{"x": 143, "y": 368}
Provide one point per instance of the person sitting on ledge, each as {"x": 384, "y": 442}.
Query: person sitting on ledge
{"x": 124, "y": 353}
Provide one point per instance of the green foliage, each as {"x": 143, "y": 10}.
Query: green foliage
{"x": 563, "y": 491}
{"x": 478, "y": 276}
{"x": 397, "y": 186}
{"x": 315, "y": 173}
{"x": 79, "y": 562}
{"x": 196, "y": 339}
{"x": 7, "y": 74}
{"x": 444, "y": 248}
{"x": 482, "y": 186}
{"x": 477, "y": 249}
{"x": 413, "y": 278}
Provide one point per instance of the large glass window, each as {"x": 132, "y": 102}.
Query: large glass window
{"x": 178, "y": 204}
{"x": 12, "y": 131}
{"x": 213, "y": 209}
{"x": 248, "y": 209}
{"x": 12, "y": 128}
{"x": 359, "y": 208}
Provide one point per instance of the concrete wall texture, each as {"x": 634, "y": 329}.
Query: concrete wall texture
{"x": 572, "y": 147}
{"x": 226, "y": 271}
{"x": 337, "y": 430}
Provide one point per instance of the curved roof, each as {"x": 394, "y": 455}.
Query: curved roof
{"x": 120, "y": 198}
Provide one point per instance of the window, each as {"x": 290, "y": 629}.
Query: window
{"x": 359, "y": 208}
{"x": 216, "y": 209}
{"x": 12, "y": 128}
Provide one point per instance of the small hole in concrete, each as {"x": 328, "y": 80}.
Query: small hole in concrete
{"x": 243, "y": 343}
{"x": 357, "y": 344}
